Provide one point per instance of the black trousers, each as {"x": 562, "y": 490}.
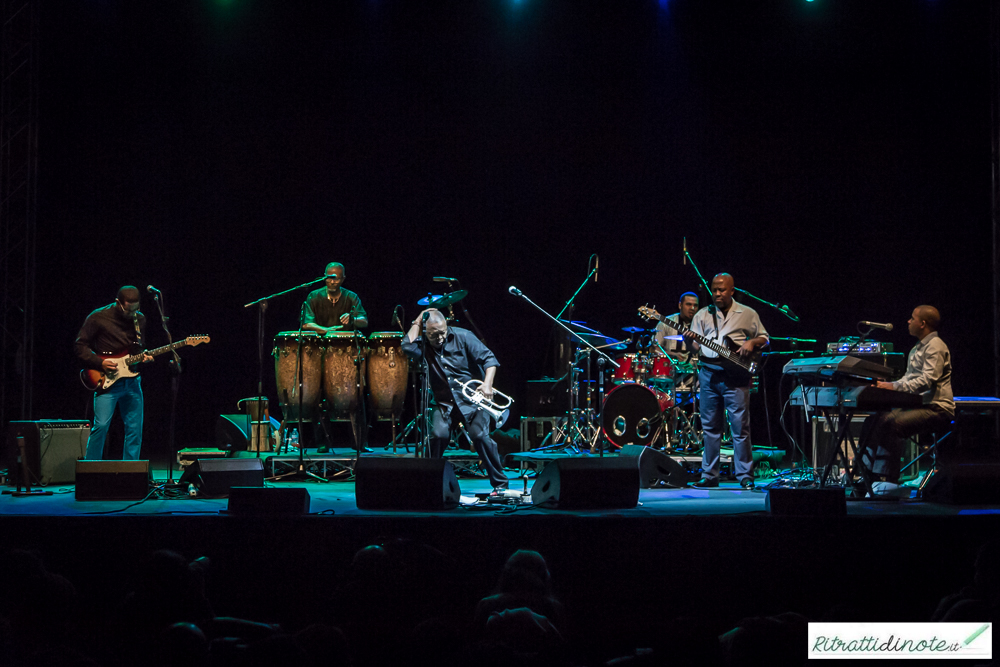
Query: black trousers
{"x": 444, "y": 420}
{"x": 882, "y": 435}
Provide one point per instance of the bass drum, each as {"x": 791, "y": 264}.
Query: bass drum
{"x": 388, "y": 371}
{"x": 340, "y": 373}
{"x": 633, "y": 414}
{"x": 286, "y": 374}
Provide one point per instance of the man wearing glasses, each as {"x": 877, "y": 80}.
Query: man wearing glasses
{"x": 455, "y": 356}
{"x": 110, "y": 331}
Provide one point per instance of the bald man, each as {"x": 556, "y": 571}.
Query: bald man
{"x": 333, "y": 308}
{"x": 455, "y": 356}
{"x": 723, "y": 391}
{"x": 928, "y": 373}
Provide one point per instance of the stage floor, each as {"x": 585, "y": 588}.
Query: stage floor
{"x": 337, "y": 497}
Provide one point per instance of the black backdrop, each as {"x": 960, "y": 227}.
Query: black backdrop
{"x": 833, "y": 155}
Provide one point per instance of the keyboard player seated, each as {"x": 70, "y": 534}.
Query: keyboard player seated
{"x": 928, "y": 374}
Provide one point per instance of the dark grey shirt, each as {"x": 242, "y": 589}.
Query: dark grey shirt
{"x": 320, "y": 310}
{"x": 462, "y": 357}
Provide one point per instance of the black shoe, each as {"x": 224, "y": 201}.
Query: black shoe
{"x": 707, "y": 483}
{"x": 747, "y": 483}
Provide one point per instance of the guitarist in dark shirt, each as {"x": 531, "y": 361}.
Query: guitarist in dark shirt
{"x": 114, "y": 329}
{"x": 723, "y": 388}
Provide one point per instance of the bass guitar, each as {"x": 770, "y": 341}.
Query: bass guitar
{"x": 742, "y": 368}
{"x": 100, "y": 380}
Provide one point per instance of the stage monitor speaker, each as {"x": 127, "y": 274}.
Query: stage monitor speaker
{"x": 232, "y": 433}
{"x": 588, "y": 483}
{"x": 260, "y": 501}
{"x": 655, "y": 467}
{"x": 52, "y": 447}
{"x": 112, "y": 480}
{"x": 809, "y": 501}
{"x": 385, "y": 483}
{"x": 963, "y": 484}
{"x": 214, "y": 477}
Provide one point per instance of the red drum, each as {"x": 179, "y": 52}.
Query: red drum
{"x": 633, "y": 414}
{"x": 286, "y": 373}
{"x": 628, "y": 366}
{"x": 388, "y": 370}
{"x": 340, "y": 373}
{"x": 662, "y": 373}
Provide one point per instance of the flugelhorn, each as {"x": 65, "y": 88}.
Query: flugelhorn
{"x": 499, "y": 412}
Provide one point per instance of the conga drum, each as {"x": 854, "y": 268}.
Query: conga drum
{"x": 286, "y": 374}
{"x": 340, "y": 373}
{"x": 388, "y": 371}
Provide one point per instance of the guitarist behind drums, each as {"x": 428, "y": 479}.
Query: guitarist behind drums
{"x": 723, "y": 388}
{"x": 112, "y": 330}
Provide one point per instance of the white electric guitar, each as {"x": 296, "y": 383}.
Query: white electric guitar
{"x": 100, "y": 380}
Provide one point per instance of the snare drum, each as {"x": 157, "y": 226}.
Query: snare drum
{"x": 661, "y": 375}
{"x": 340, "y": 373}
{"x": 286, "y": 373}
{"x": 387, "y": 372}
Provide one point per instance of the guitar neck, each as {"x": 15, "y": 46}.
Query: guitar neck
{"x": 136, "y": 358}
{"x": 715, "y": 346}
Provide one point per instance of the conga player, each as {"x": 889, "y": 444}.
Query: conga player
{"x": 333, "y": 308}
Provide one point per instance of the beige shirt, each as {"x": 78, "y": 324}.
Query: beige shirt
{"x": 740, "y": 324}
{"x": 928, "y": 373}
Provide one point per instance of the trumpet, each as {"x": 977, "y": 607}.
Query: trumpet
{"x": 500, "y": 412}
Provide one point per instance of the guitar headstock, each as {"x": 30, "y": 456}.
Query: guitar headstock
{"x": 197, "y": 340}
{"x": 649, "y": 313}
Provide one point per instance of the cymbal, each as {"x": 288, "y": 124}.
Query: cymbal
{"x": 447, "y": 299}
{"x": 427, "y": 299}
{"x": 673, "y": 338}
{"x": 635, "y": 329}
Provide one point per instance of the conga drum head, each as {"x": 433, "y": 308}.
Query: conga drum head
{"x": 343, "y": 354}
{"x": 631, "y": 415}
{"x": 387, "y": 373}
{"x": 286, "y": 373}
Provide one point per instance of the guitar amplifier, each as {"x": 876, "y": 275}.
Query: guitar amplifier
{"x": 52, "y": 447}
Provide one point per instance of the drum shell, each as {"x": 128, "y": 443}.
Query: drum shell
{"x": 628, "y": 365}
{"x": 341, "y": 373}
{"x": 387, "y": 374}
{"x": 640, "y": 411}
{"x": 661, "y": 373}
{"x": 285, "y": 373}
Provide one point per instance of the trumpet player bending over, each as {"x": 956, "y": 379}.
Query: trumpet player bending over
{"x": 454, "y": 357}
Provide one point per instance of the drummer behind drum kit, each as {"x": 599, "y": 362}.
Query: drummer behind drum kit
{"x": 649, "y": 400}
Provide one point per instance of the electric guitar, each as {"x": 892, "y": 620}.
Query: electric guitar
{"x": 100, "y": 380}
{"x": 729, "y": 357}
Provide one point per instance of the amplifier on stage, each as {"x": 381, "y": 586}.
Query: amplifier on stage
{"x": 52, "y": 447}
{"x": 546, "y": 397}
{"x": 534, "y": 431}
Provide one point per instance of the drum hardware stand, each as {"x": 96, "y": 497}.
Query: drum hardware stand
{"x": 175, "y": 381}
{"x": 301, "y": 470}
{"x": 360, "y": 427}
{"x": 571, "y": 417}
{"x": 453, "y": 286}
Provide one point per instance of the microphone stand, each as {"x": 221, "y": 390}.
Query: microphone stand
{"x": 361, "y": 429}
{"x": 517, "y": 292}
{"x": 175, "y": 383}
{"x": 784, "y": 310}
{"x": 262, "y": 302}
{"x": 569, "y": 304}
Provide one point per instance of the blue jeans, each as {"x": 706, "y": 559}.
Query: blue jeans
{"x": 127, "y": 395}
{"x": 719, "y": 395}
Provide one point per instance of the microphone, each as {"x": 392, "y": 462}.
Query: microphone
{"x": 395, "y": 318}
{"x": 513, "y": 290}
{"x": 788, "y": 311}
{"x": 426, "y": 315}
{"x": 685, "y": 251}
{"x": 152, "y": 290}
{"x": 442, "y": 279}
{"x": 875, "y": 325}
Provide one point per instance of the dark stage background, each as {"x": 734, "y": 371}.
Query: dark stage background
{"x": 832, "y": 155}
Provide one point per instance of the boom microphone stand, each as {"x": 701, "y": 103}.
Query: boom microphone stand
{"x": 175, "y": 380}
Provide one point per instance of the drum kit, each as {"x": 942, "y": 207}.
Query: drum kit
{"x": 652, "y": 400}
